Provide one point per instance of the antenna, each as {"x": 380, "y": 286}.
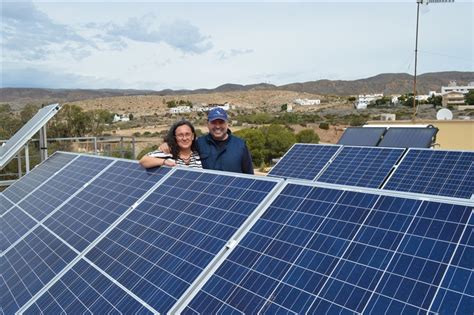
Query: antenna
{"x": 418, "y": 2}
{"x": 444, "y": 114}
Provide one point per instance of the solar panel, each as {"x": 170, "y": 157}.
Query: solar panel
{"x": 21, "y": 137}
{"x": 363, "y": 136}
{"x": 455, "y": 296}
{"x": 5, "y": 204}
{"x": 415, "y": 271}
{"x": 435, "y": 172}
{"x": 317, "y": 250}
{"x": 399, "y": 137}
{"x": 162, "y": 246}
{"x": 90, "y": 212}
{"x": 15, "y": 223}
{"x": 361, "y": 166}
{"x": 37, "y": 176}
{"x": 28, "y": 266}
{"x": 42, "y": 201}
{"x": 304, "y": 161}
{"x": 85, "y": 290}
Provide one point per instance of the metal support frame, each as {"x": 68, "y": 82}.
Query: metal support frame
{"x": 43, "y": 143}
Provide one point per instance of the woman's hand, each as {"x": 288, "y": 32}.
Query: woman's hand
{"x": 170, "y": 163}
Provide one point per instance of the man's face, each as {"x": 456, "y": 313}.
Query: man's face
{"x": 218, "y": 129}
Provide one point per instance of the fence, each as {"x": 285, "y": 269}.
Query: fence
{"x": 29, "y": 156}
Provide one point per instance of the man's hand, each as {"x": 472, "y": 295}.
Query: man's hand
{"x": 165, "y": 148}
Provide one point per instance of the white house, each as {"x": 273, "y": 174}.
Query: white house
{"x": 180, "y": 110}
{"x": 453, "y": 87}
{"x": 123, "y": 117}
{"x": 395, "y": 99}
{"x": 365, "y": 99}
{"x": 306, "y": 102}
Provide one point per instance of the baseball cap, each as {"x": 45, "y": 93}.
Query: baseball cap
{"x": 217, "y": 113}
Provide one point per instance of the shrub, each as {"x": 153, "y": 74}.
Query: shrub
{"x": 324, "y": 125}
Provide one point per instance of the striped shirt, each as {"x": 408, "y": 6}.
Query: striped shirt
{"x": 194, "y": 160}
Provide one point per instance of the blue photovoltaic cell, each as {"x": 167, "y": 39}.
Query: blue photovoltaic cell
{"x": 14, "y": 224}
{"x": 29, "y": 266}
{"x": 84, "y": 290}
{"x": 161, "y": 247}
{"x": 304, "y": 161}
{"x": 63, "y": 185}
{"x": 361, "y": 166}
{"x": 456, "y": 295}
{"x": 410, "y": 282}
{"x": 37, "y": 176}
{"x": 357, "y": 273}
{"x": 408, "y": 137}
{"x": 363, "y": 136}
{"x": 285, "y": 259}
{"x": 80, "y": 221}
{"x": 4, "y": 204}
{"x": 321, "y": 251}
{"x": 435, "y": 172}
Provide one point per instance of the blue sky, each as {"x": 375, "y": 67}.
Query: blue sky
{"x": 189, "y": 45}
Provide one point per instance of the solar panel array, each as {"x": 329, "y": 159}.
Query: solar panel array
{"x": 304, "y": 161}
{"x": 361, "y": 166}
{"x": 434, "y": 172}
{"x": 399, "y": 137}
{"x": 321, "y": 251}
{"x": 124, "y": 239}
{"x": 21, "y": 137}
{"x": 394, "y": 137}
{"x": 362, "y": 136}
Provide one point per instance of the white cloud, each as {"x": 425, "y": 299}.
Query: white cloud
{"x": 91, "y": 44}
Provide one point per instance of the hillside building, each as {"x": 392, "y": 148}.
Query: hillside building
{"x": 120, "y": 118}
{"x": 453, "y": 98}
{"x": 306, "y": 102}
{"x": 453, "y": 87}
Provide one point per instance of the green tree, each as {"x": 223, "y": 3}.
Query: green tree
{"x": 351, "y": 99}
{"x": 28, "y": 112}
{"x": 307, "y": 136}
{"x": 9, "y": 123}
{"x": 383, "y": 101}
{"x": 436, "y": 101}
{"x": 284, "y": 107}
{"x": 278, "y": 139}
{"x": 256, "y": 143}
{"x": 171, "y": 104}
{"x": 469, "y": 97}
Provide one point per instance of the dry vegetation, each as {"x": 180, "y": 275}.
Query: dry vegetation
{"x": 144, "y": 105}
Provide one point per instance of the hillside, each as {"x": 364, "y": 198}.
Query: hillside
{"x": 387, "y": 83}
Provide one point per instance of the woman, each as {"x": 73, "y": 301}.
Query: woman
{"x": 181, "y": 139}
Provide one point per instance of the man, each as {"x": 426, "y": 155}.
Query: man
{"x": 219, "y": 149}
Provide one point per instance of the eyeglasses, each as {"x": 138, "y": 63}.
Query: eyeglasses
{"x": 182, "y": 136}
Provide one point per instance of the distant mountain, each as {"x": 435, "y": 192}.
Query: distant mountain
{"x": 387, "y": 83}
{"x": 18, "y": 97}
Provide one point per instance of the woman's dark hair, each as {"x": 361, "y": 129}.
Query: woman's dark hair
{"x": 170, "y": 137}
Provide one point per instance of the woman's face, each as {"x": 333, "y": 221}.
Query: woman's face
{"x": 184, "y": 137}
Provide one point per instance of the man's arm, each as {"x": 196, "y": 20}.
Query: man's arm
{"x": 247, "y": 165}
{"x": 165, "y": 148}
